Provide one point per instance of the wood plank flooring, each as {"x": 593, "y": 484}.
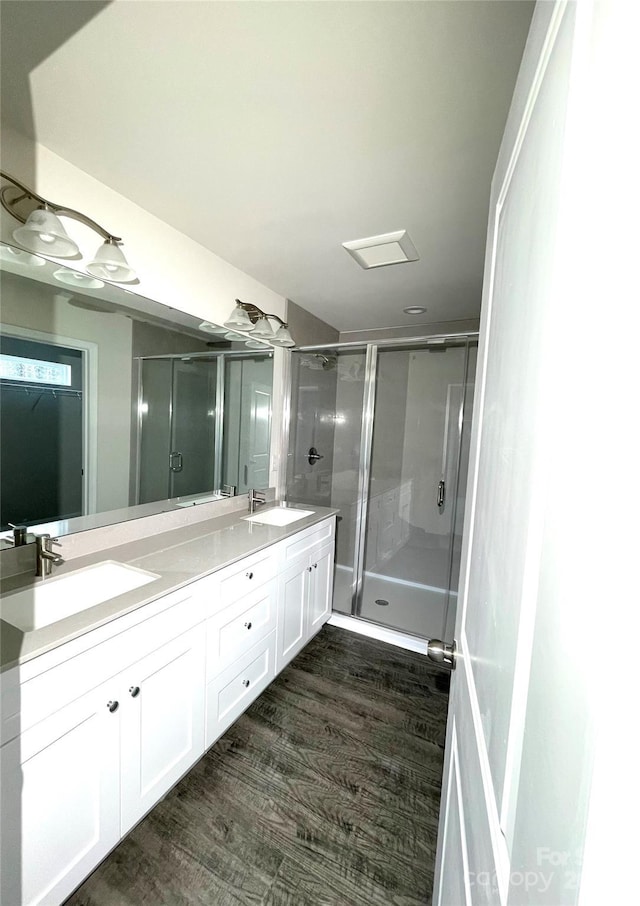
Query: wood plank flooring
{"x": 324, "y": 793}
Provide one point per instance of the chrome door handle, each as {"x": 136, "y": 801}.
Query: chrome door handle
{"x": 442, "y": 654}
{"x": 441, "y": 494}
{"x": 173, "y": 466}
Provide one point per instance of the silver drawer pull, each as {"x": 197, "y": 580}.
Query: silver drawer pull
{"x": 249, "y": 575}
{"x": 248, "y": 625}
{"x": 113, "y": 706}
{"x": 135, "y": 691}
{"x": 245, "y": 683}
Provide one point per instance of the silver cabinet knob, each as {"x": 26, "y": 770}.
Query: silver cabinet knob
{"x": 246, "y": 683}
{"x": 248, "y": 625}
{"x": 113, "y": 706}
{"x": 315, "y": 565}
{"x": 249, "y": 575}
{"x": 135, "y": 691}
{"x": 309, "y": 568}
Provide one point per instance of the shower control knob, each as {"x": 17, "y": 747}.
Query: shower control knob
{"x": 442, "y": 654}
{"x": 313, "y": 456}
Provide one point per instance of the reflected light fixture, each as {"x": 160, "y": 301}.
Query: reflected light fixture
{"x": 43, "y": 232}
{"x": 249, "y": 318}
{"x": 75, "y": 278}
{"x": 9, "y": 253}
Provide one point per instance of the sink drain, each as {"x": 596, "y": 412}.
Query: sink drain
{"x": 381, "y": 602}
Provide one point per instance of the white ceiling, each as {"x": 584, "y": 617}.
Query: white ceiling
{"x": 272, "y": 132}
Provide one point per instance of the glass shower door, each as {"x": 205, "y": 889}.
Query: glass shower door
{"x": 177, "y": 428}
{"x": 410, "y": 514}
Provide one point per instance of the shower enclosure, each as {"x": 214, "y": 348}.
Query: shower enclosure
{"x": 381, "y": 432}
{"x": 203, "y": 421}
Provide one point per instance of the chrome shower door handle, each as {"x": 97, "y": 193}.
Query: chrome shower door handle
{"x": 175, "y": 461}
{"x": 441, "y": 494}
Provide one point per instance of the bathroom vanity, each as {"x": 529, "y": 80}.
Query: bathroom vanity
{"x": 106, "y": 708}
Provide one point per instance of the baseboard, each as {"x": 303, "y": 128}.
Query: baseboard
{"x": 381, "y": 633}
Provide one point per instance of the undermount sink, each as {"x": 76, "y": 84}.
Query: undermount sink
{"x": 47, "y": 602}
{"x": 279, "y": 516}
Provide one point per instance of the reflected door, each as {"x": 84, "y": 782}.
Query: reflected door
{"x": 177, "y": 428}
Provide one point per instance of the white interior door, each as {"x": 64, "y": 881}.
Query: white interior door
{"x": 255, "y": 434}
{"x": 521, "y": 736}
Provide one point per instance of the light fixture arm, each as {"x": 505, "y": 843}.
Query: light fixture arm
{"x": 30, "y": 201}
{"x": 254, "y": 312}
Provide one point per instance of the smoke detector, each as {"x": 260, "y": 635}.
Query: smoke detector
{"x": 379, "y": 251}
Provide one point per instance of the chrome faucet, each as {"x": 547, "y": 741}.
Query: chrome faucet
{"x": 19, "y": 535}
{"x": 45, "y": 557}
{"x": 256, "y": 498}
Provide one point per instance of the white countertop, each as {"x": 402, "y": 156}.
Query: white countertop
{"x": 178, "y": 557}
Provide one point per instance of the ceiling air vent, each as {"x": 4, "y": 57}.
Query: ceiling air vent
{"x": 378, "y": 251}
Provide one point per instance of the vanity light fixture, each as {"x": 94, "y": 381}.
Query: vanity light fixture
{"x": 42, "y": 231}
{"x": 249, "y": 318}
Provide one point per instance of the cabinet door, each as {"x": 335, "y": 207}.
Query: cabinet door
{"x": 60, "y": 800}
{"x": 321, "y": 589}
{"x": 162, "y": 722}
{"x": 293, "y": 595}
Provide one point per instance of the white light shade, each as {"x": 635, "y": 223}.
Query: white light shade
{"x": 262, "y": 329}
{"x": 9, "y": 253}
{"x": 110, "y": 264}
{"x": 43, "y": 232}
{"x": 239, "y": 320}
{"x": 282, "y": 337}
{"x": 75, "y": 278}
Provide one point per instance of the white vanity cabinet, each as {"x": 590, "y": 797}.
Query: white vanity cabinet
{"x": 240, "y": 638}
{"x": 60, "y": 801}
{"x": 162, "y": 725}
{"x": 80, "y": 776}
{"x": 96, "y": 731}
{"x": 305, "y": 586}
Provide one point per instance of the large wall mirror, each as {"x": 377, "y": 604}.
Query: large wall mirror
{"x": 113, "y": 406}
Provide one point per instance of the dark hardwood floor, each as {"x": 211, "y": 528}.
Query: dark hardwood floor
{"x": 324, "y": 793}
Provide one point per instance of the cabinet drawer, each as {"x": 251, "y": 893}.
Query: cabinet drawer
{"x": 242, "y": 577}
{"x": 234, "y": 630}
{"x": 301, "y": 544}
{"x": 237, "y": 686}
{"x": 47, "y": 692}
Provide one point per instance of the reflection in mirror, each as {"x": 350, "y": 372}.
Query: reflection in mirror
{"x": 113, "y": 406}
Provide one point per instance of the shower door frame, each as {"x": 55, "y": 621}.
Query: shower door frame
{"x": 366, "y": 443}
